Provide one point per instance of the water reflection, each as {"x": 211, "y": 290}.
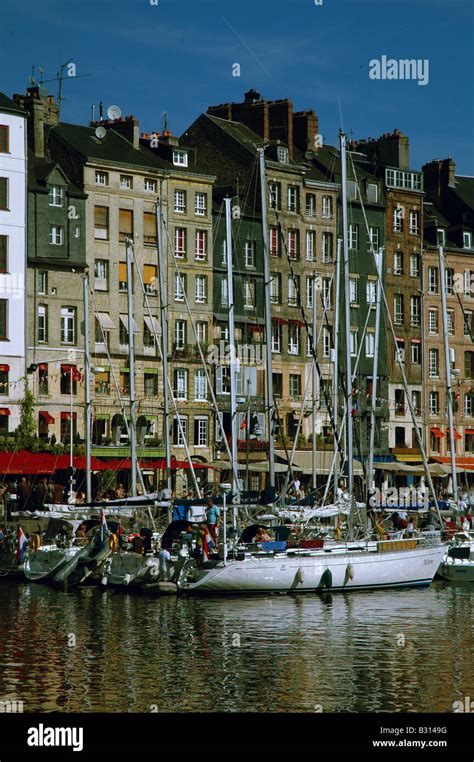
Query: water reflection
{"x": 405, "y": 650}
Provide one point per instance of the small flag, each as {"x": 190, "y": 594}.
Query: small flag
{"x": 21, "y": 543}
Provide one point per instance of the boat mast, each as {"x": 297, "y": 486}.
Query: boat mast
{"x": 131, "y": 345}
{"x": 87, "y": 381}
{"x": 315, "y": 378}
{"x": 378, "y": 261}
{"x": 268, "y": 321}
{"x": 335, "y": 380}
{"x": 164, "y": 345}
{"x": 345, "y": 243}
{"x": 447, "y": 362}
{"x": 233, "y": 354}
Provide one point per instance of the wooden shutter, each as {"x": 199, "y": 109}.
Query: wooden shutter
{"x": 3, "y": 319}
{"x": 149, "y": 228}
{"x": 125, "y": 223}
{"x": 3, "y": 253}
{"x": 149, "y": 274}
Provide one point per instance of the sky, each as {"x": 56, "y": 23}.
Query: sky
{"x": 178, "y": 56}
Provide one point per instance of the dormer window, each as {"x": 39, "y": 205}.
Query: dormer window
{"x": 372, "y": 193}
{"x": 180, "y": 158}
{"x": 56, "y": 195}
{"x": 282, "y": 154}
{"x": 467, "y": 240}
{"x": 440, "y": 237}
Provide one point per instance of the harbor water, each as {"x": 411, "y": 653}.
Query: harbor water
{"x": 93, "y": 650}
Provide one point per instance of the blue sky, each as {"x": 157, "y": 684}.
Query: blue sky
{"x": 177, "y": 57}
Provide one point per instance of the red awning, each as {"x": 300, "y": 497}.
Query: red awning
{"x": 456, "y": 435}
{"x": 280, "y": 321}
{"x": 437, "y": 433}
{"x": 63, "y": 462}
{"x": 469, "y": 431}
{"x": 5, "y": 368}
{"x": 43, "y": 366}
{"x": 67, "y": 416}
{"x": 47, "y": 416}
{"x": 66, "y": 369}
{"x": 4, "y": 411}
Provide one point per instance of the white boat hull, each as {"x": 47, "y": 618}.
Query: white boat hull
{"x": 457, "y": 570}
{"x": 305, "y": 572}
{"x": 44, "y": 563}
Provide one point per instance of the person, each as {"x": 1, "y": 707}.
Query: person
{"x": 213, "y": 519}
{"x": 138, "y": 545}
{"x": 410, "y": 528}
{"x": 262, "y": 535}
{"x": 24, "y": 492}
{"x": 80, "y": 498}
{"x": 296, "y": 486}
{"x": 466, "y": 525}
{"x": 81, "y": 535}
{"x": 120, "y": 492}
{"x": 164, "y": 563}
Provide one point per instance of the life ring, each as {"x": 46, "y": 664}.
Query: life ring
{"x": 35, "y": 542}
{"x": 113, "y": 543}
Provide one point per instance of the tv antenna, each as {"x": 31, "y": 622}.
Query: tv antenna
{"x": 59, "y": 79}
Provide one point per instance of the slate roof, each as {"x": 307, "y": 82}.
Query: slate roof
{"x": 9, "y": 106}
{"x": 39, "y": 170}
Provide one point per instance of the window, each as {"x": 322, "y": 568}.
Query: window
{"x": 433, "y": 363}
{"x": 123, "y": 277}
{"x": 42, "y": 282}
{"x": 200, "y": 292}
{"x": 125, "y": 224}
{"x": 102, "y": 382}
{"x": 101, "y": 275}
{"x": 468, "y": 404}
{"x": 150, "y": 384}
{"x": 180, "y": 334}
{"x": 200, "y": 385}
{"x": 4, "y": 138}
{"x": 327, "y": 207}
{"x": 124, "y": 381}
{"x": 374, "y": 238}
{"x": 150, "y": 185}
{"x": 449, "y": 274}
{"x": 102, "y": 178}
{"x": 469, "y": 364}
{"x": 223, "y": 379}
{"x": 276, "y": 337}
{"x": 102, "y": 336}
{"x": 398, "y": 220}
{"x": 400, "y": 351}
{"x": 310, "y": 281}
{"x": 42, "y": 323}
{"x": 353, "y": 236}
{"x": 3, "y": 253}
{"x": 371, "y": 292}
{"x": 398, "y": 309}
{"x": 293, "y": 339}
{"x": 126, "y": 182}
{"x": 69, "y": 378}
{"x": 201, "y": 331}
{"x": 249, "y": 253}
{"x": 201, "y": 245}
{"x": 450, "y": 315}
{"x": 224, "y": 293}
{"x": 354, "y": 343}
{"x": 293, "y": 198}
{"x": 101, "y": 222}
{"x": 150, "y": 279}
{"x": 352, "y": 190}
{"x": 3, "y": 193}
{"x": 293, "y": 244}
{"x": 398, "y": 263}
{"x": 274, "y": 190}
{"x": 432, "y": 280}
{"x": 327, "y": 239}
{"x": 123, "y": 331}
{"x": 56, "y": 195}
{"x": 416, "y": 352}
{"x": 200, "y": 204}
{"x": 310, "y": 205}
{"x": 179, "y": 287}
{"x": 372, "y": 193}
{"x": 149, "y": 229}
{"x": 282, "y": 154}
{"x": 180, "y": 158}
{"x": 148, "y": 336}
{"x": 414, "y": 265}
{"x": 467, "y": 282}
{"x": 68, "y": 325}
{"x": 415, "y": 310}
{"x": 414, "y": 222}
{"x": 327, "y": 300}
{"x": 275, "y": 288}
{"x": 200, "y": 431}
{"x": 180, "y": 242}
{"x": 43, "y": 379}
{"x": 467, "y": 323}
{"x": 274, "y": 242}
{"x": 295, "y": 385}
{"x": 354, "y": 291}
{"x": 433, "y": 320}
{"x": 293, "y": 289}
{"x": 327, "y": 342}
{"x": 369, "y": 344}
{"x": 3, "y": 319}
{"x": 467, "y": 239}
{"x": 56, "y": 235}
{"x": 433, "y": 403}
{"x": 440, "y": 237}
{"x": 66, "y": 433}
{"x": 249, "y": 294}
{"x": 399, "y": 401}
{"x": 398, "y": 179}
{"x": 180, "y": 202}
{"x": 180, "y": 430}
{"x": 181, "y": 384}
{"x": 310, "y": 245}
{"x": 416, "y": 401}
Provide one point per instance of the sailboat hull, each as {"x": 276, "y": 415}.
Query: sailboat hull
{"x": 335, "y": 570}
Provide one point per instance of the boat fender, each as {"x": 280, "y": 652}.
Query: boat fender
{"x": 300, "y": 575}
{"x": 326, "y": 579}
{"x": 113, "y": 543}
{"x": 127, "y": 579}
{"x": 104, "y": 581}
{"x": 35, "y": 542}
{"x": 349, "y": 573}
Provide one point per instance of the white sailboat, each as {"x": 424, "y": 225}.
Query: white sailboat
{"x": 458, "y": 563}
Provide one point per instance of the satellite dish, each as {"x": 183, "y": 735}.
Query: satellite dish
{"x": 114, "y": 112}
{"x": 100, "y": 132}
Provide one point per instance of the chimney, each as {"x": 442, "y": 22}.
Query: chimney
{"x": 438, "y": 176}
{"x": 305, "y": 130}
{"x": 127, "y": 126}
{"x": 43, "y": 110}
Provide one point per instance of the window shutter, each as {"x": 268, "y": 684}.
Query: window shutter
{"x": 123, "y": 272}
{"x": 125, "y": 223}
{"x": 149, "y": 274}
{"x": 219, "y": 379}
{"x": 149, "y": 227}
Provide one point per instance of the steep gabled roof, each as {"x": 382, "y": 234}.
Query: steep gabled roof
{"x": 10, "y": 107}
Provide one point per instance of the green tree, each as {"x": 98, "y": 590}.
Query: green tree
{"x": 26, "y": 431}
